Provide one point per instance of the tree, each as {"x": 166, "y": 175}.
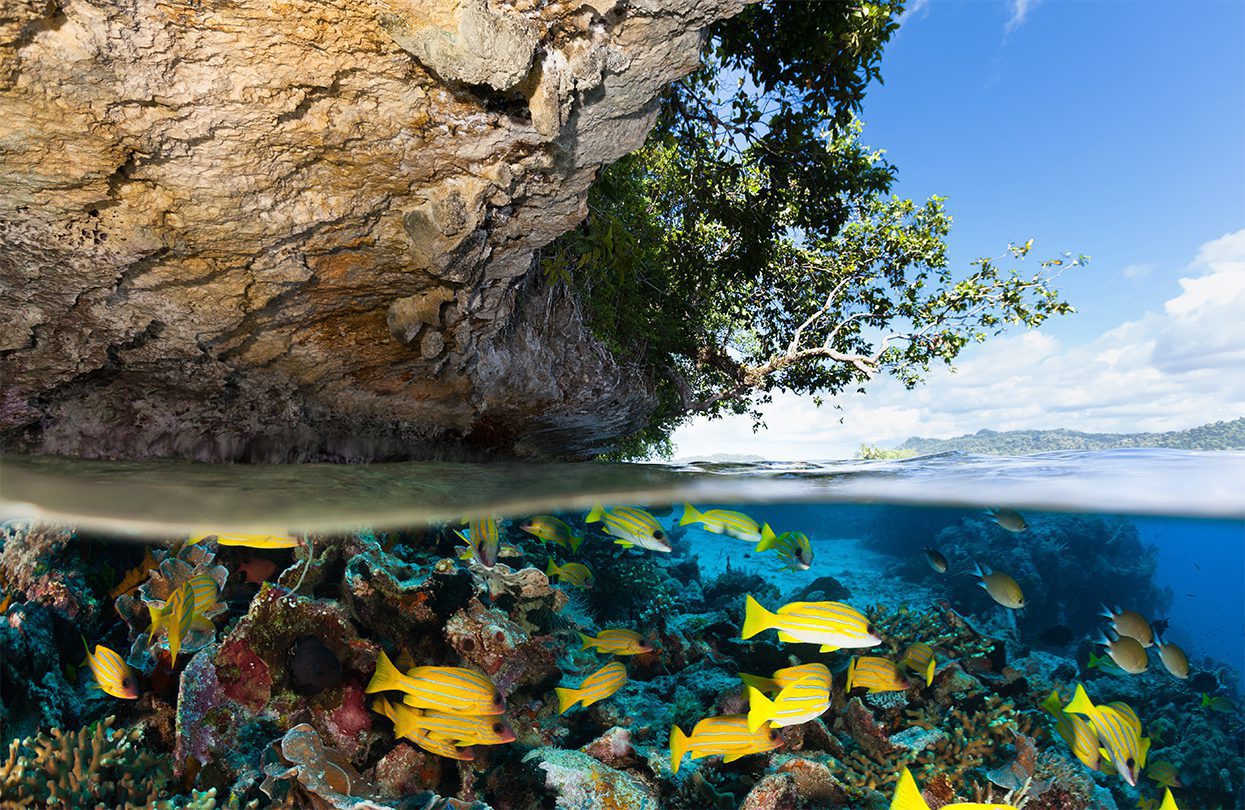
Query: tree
{"x": 752, "y": 245}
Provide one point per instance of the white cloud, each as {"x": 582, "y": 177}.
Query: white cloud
{"x": 912, "y": 9}
{"x": 1019, "y": 11}
{"x": 1166, "y": 370}
{"x": 1139, "y": 270}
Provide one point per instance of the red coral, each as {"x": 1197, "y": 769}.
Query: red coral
{"x": 243, "y": 675}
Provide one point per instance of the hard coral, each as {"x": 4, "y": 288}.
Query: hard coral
{"x": 96, "y": 767}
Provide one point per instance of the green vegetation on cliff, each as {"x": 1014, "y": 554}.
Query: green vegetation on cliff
{"x": 1215, "y": 436}
{"x": 753, "y": 246}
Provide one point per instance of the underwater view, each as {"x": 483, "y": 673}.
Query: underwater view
{"x": 821, "y": 653}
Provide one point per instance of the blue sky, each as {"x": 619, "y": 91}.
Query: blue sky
{"x": 1113, "y": 129}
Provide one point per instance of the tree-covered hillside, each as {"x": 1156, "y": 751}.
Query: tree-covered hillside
{"x": 1215, "y": 436}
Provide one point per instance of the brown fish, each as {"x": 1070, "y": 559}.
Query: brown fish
{"x": 1126, "y": 652}
{"x": 1130, "y": 623}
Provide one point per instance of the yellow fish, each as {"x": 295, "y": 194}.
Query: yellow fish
{"x": 553, "y": 530}
{"x": 599, "y": 685}
{"x": 1164, "y": 773}
{"x": 175, "y": 618}
{"x": 111, "y": 673}
{"x": 795, "y": 703}
{"x": 1002, "y": 588}
{"x": 1218, "y": 703}
{"x": 727, "y": 735}
{"x": 793, "y": 548}
{"x": 723, "y": 521}
{"x": 875, "y": 674}
{"x": 1130, "y": 623}
{"x": 833, "y": 625}
{"x": 1119, "y": 731}
{"x": 632, "y": 526}
{"x": 467, "y": 729}
{"x": 919, "y": 657}
{"x": 908, "y": 797}
{"x": 784, "y": 677}
{"x": 1126, "y": 652}
{"x": 483, "y": 538}
{"x": 1168, "y": 802}
{"x": 1075, "y": 731}
{"x": 573, "y": 573}
{"x": 1174, "y": 659}
{"x": 402, "y": 717}
{"x": 616, "y": 642}
{"x": 449, "y": 689}
{"x": 1009, "y": 519}
{"x": 250, "y": 540}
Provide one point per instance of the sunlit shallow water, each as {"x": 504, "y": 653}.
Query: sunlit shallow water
{"x": 1160, "y": 533}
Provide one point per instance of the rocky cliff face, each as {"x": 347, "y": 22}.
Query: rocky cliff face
{"x": 298, "y": 230}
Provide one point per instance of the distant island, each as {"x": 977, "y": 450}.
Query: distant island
{"x": 1215, "y": 436}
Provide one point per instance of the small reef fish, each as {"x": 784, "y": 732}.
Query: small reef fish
{"x": 249, "y": 540}
{"x": 175, "y": 618}
{"x": 795, "y": 703}
{"x": 503, "y": 551}
{"x": 1119, "y": 731}
{"x": 616, "y": 642}
{"x": 908, "y": 797}
{"x": 1075, "y": 731}
{"x": 256, "y": 570}
{"x": 793, "y": 548}
{"x": 599, "y": 685}
{"x": 483, "y": 539}
{"x": 111, "y": 673}
{"x": 1126, "y": 652}
{"x": 449, "y": 689}
{"x": 1131, "y": 624}
{"x": 1008, "y": 519}
{"x": 465, "y": 729}
{"x": 550, "y": 529}
{"x": 1104, "y": 664}
{"x": 203, "y": 591}
{"x": 1002, "y": 588}
{"x": 403, "y": 726}
{"x": 935, "y": 559}
{"x": 1164, "y": 773}
{"x": 572, "y": 573}
{"x": 875, "y": 674}
{"x": 786, "y": 676}
{"x": 919, "y": 657}
{"x": 724, "y": 521}
{"x": 727, "y": 735}
{"x": 631, "y": 526}
{"x": 833, "y": 625}
{"x": 1218, "y": 703}
{"x": 1174, "y": 660}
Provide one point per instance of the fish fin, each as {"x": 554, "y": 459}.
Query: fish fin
{"x": 907, "y": 795}
{"x": 157, "y": 619}
{"x": 1106, "y": 611}
{"x": 1094, "y": 661}
{"x": 690, "y": 515}
{"x": 929, "y": 671}
{"x": 87, "y": 647}
{"x": 787, "y": 638}
{"x": 756, "y": 618}
{"x": 596, "y": 514}
{"x": 566, "y": 698}
{"x": 466, "y": 538}
{"x": 386, "y": 677}
{"x": 1104, "y": 756}
{"x": 1142, "y": 751}
{"x": 624, "y": 543}
{"x": 735, "y": 755}
{"x": 679, "y": 743}
{"x": 1168, "y": 802}
{"x": 851, "y": 673}
{"x": 759, "y": 682}
{"x": 1053, "y": 704}
{"x": 768, "y": 539}
{"x": 588, "y": 641}
{"x": 576, "y": 540}
{"x": 760, "y": 709}
{"x": 1081, "y": 704}
{"x": 550, "y": 569}
{"x": 980, "y": 570}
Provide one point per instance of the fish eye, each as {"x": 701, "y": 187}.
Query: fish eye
{"x": 658, "y": 535}
{"x": 498, "y": 728}
{"x": 773, "y": 735}
{"x": 871, "y": 630}
{"x": 1129, "y": 763}
{"x": 497, "y": 698}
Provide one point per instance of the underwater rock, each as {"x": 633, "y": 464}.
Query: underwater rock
{"x": 405, "y": 770}
{"x": 40, "y": 562}
{"x": 864, "y": 729}
{"x": 36, "y": 693}
{"x": 396, "y": 599}
{"x": 917, "y": 739}
{"x": 613, "y": 748}
{"x": 317, "y": 775}
{"x": 488, "y": 640}
{"x": 341, "y": 267}
{"x": 815, "y": 783}
{"x": 579, "y": 780}
{"x": 823, "y": 589}
{"x": 775, "y": 791}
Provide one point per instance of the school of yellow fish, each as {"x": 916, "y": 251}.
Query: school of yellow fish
{"x": 447, "y": 710}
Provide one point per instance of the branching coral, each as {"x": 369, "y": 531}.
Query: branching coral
{"x": 95, "y": 768}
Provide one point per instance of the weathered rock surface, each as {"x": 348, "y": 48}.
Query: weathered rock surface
{"x": 307, "y": 230}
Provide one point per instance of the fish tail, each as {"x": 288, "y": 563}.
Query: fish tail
{"x": 1106, "y": 611}
{"x": 851, "y": 673}
{"x": 466, "y": 538}
{"x": 596, "y": 514}
{"x": 679, "y": 744}
{"x": 1052, "y": 703}
{"x": 1081, "y": 704}
{"x": 756, "y": 618}
{"x": 386, "y": 677}
{"x": 86, "y": 647}
{"x": 1094, "y": 661}
{"x": 980, "y": 571}
{"x": 576, "y": 541}
{"x": 929, "y": 671}
{"x": 566, "y": 698}
{"x": 383, "y": 707}
{"x": 690, "y": 515}
{"x": 157, "y": 619}
{"x": 760, "y": 709}
{"x": 551, "y": 569}
{"x": 768, "y": 539}
{"x": 1205, "y": 699}
{"x": 1142, "y": 750}
{"x": 907, "y": 796}
{"x": 588, "y": 641}
{"x": 759, "y": 682}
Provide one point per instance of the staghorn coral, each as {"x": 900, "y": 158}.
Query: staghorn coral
{"x": 951, "y": 636}
{"x": 97, "y": 767}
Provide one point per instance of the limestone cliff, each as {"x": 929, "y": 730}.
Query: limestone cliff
{"x": 296, "y": 230}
